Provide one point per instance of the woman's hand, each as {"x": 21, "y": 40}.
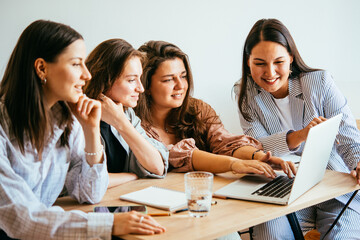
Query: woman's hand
{"x": 135, "y": 222}
{"x": 87, "y": 111}
{"x": 313, "y": 123}
{"x": 253, "y": 166}
{"x": 356, "y": 173}
{"x": 287, "y": 166}
{"x": 294, "y": 139}
{"x": 112, "y": 113}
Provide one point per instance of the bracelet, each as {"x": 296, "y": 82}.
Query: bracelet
{"x": 95, "y": 153}
{"x": 253, "y": 155}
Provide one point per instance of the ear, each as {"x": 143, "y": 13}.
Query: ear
{"x": 40, "y": 68}
{"x": 291, "y": 59}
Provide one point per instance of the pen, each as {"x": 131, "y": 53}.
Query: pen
{"x": 181, "y": 210}
{"x": 159, "y": 214}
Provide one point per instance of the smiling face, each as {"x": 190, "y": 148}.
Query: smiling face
{"x": 269, "y": 64}
{"x": 169, "y": 84}
{"x": 67, "y": 75}
{"x": 127, "y": 87}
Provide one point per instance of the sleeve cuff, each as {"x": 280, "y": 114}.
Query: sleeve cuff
{"x": 100, "y": 225}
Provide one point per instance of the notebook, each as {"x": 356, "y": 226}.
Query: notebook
{"x": 157, "y": 197}
{"x": 283, "y": 190}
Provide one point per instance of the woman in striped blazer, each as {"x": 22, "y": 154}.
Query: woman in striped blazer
{"x": 280, "y": 98}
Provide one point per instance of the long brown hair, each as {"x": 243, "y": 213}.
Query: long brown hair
{"x": 21, "y": 88}
{"x": 106, "y": 63}
{"x": 268, "y": 30}
{"x": 183, "y": 121}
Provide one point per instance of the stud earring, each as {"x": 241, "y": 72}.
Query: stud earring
{"x": 43, "y": 81}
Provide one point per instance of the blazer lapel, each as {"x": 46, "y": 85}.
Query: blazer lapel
{"x": 297, "y": 104}
{"x": 269, "y": 111}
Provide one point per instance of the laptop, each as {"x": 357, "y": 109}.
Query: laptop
{"x": 283, "y": 190}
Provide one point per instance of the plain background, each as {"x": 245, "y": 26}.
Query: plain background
{"x": 212, "y": 33}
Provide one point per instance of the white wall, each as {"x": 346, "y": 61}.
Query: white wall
{"x": 211, "y": 32}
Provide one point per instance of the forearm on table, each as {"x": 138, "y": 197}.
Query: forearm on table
{"x": 116, "y": 179}
{"x": 205, "y": 161}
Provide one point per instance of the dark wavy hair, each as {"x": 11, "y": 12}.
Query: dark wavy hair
{"x": 267, "y": 30}
{"x": 106, "y": 63}
{"x": 183, "y": 121}
{"x": 21, "y": 89}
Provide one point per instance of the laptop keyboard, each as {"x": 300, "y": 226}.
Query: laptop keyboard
{"x": 278, "y": 188}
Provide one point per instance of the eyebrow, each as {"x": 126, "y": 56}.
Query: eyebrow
{"x": 131, "y": 75}
{"x": 170, "y": 75}
{"x": 80, "y": 58}
{"x": 264, "y": 60}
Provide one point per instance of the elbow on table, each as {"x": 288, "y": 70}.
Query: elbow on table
{"x": 159, "y": 170}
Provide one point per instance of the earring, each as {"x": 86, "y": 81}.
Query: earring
{"x": 290, "y": 71}
{"x": 43, "y": 81}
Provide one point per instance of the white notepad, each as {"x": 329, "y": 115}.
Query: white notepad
{"x": 157, "y": 197}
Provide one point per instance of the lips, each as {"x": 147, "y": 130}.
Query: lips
{"x": 271, "y": 81}
{"x": 177, "y": 95}
{"x": 79, "y": 88}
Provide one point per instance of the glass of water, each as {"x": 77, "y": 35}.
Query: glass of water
{"x": 198, "y": 189}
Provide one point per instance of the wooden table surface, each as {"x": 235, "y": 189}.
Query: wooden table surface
{"x": 227, "y": 216}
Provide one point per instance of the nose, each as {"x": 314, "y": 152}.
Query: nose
{"x": 270, "y": 70}
{"x": 139, "y": 87}
{"x": 179, "y": 83}
{"x": 86, "y": 75}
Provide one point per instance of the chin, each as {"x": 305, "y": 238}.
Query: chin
{"x": 176, "y": 105}
{"x": 74, "y": 99}
{"x": 130, "y": 104}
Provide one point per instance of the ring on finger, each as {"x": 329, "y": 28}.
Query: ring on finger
{"x": 141, "y": 219}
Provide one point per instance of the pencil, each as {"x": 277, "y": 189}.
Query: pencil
{"x": 159, "y": 214}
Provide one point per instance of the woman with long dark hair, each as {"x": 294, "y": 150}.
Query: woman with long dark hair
{"x": 50, "y": 141}
{"x": 280, "y": 99}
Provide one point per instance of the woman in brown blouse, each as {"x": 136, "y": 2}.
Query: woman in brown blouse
{"x": 190, "y": 128}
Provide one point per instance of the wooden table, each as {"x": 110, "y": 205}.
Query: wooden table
{"x": 227, "y": 215}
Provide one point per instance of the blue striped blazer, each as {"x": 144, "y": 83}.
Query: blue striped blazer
{"x": 311, "y": 95}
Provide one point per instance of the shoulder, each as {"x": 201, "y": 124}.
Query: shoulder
{"x": 204, "y": 111}
{"x": 318, "y": 76}
{"x": 200, "y": 105}
{"x": 316, "y": 80}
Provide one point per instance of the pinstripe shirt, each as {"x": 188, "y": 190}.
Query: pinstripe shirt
{"x": 29, "y": 187}
{"x": 311, "y": 95}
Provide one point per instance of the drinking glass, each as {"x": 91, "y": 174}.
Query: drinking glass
{"x": 198, "y": 189}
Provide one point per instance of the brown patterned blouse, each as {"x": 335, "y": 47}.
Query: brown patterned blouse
{"x": 219, "y": 140}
